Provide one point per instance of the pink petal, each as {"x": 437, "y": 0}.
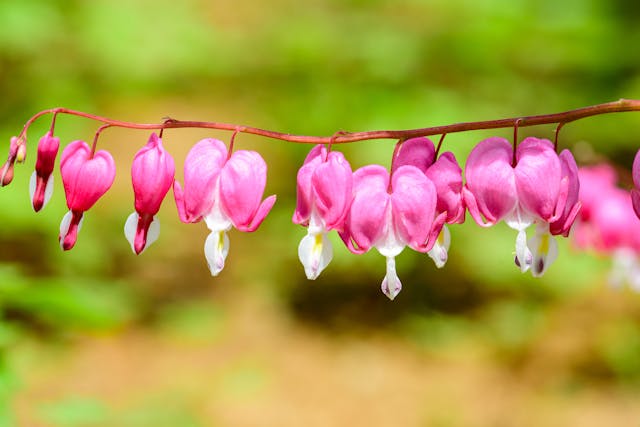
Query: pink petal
{"x": 538, "y": 174}
{"x": 261, "y": 213}
{"x": 47, "y": 151}
{"x": 635, "y": 170}
{"x": 366, "y": 221}
{"x": 446, "y": 174}
{"x": 614, "y": 221}
{"x": 418, "y": 152}
{"x": 242, "y": 182}
{"x": 178, "y": 195}
{"x": 572, "y": 204}
{"x": 332, "y": 187}
{"x": 304, "y": 195}
{"x": 85, "y": 178}
{"x": 635, "y": 199}
{"x": 491, "y": 185}
{"x": 201, "y": 170}
{"x": 413, "y": 205}
{"x": 594, "y": 182}
{"x": 152, "y": 174}
{"x": 6, "y": 173}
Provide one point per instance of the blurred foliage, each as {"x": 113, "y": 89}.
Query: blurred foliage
{"x": 315, "y": 68}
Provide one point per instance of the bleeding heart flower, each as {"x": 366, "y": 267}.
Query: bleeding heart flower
{"x": 86, "y": 178}
{"x": 41, "y": 183}
{"x": 225, "y": 191}
{"x": 608, "y": 223}
{"x": 390, "y": 216}
{"x": 446, "y": 175}
{"x": 323, "y": 200}
{"x": 540, "y": 187}
{"x": 152, "y": 174}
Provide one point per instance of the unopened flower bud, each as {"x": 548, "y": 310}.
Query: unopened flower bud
{"x": 41, "y": 184}
{"x": 21, "y": 153}
{"x": 6, "y": 174}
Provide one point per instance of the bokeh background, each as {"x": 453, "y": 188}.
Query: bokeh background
{"x": 100, "y": 337}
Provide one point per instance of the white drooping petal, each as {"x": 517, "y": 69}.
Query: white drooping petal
{"x": 524, "y": 258}
{"x": 48, "y": 191}
{"x": 154, "y": 232}
{"x": 131, "y": 227}
{"x": 391, "y": 285}
{"x": 440, "y": 251}
{"x": 65, "y": 223}
{"x": 216, "y": 248}
{"x": 544, "y": 250}
{"x": 315, "y": 253}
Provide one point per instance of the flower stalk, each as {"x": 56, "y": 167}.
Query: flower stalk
{"x": 342, "y": 137}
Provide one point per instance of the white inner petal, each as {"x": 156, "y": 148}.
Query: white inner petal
{"x": 544, "y": 250}
{"x": 524, "y": 258}
{"x": 315, "y": 253}
{"x": 216, "y": 248}
{"x": 130, "y": 227}
{"x": 217, "y": 220}
{"x": 389, "y": 245}
{"x": 316, "y": 224}
{"x": 48, "y": 191}
{"x": 391, "y": 285}
{"x": 154, "y": 232}
{"x": 32, "y": 185}
{"x": 519, "y": 219}
{"x": 439, "y": 253}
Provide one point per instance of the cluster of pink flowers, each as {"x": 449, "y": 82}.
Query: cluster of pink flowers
{"x": 607, "y": 222}
{"x": 409, "y": 205}
{"x": 222, "y": 188}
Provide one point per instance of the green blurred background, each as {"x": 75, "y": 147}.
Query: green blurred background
{"x": 99, "y": 337}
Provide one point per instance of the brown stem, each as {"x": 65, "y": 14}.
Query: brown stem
{"x": 555, "y": 138}
{"x": 97, "y": 135}
{"x": 53, "y": 123}
{"x": 516, "y": 125}
{"x": 231, "y": 142}
{"x": 394, "y": 156}
{"x": 439, "y": 145}
{"x": 346, "y": 137}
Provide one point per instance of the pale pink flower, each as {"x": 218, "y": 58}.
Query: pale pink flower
{"x": 86, "y": 178}
{"x": 391, "y": 215}
{"x": 324, "y": 186}
{"x": 540, "y": 187}
{"x": 41, "y": 183}
{"x": 446, "y": 175}
{"x": 608, "y": 224}
{"x": 225, "y": 191}
{"x": 596, "y": 184}
{"x": 152, "y": 174}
